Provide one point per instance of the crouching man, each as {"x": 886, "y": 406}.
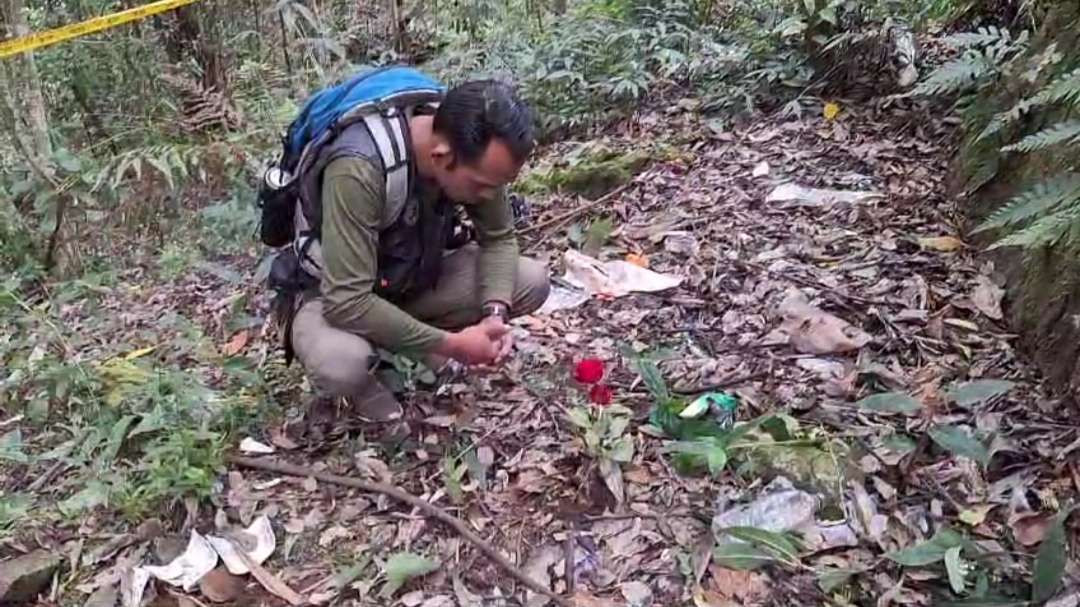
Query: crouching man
{"x": 392, "y": 277}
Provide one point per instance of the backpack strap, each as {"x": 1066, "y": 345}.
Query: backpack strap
{"x": 389, "y": 132}
{"x": 388, "y": 129}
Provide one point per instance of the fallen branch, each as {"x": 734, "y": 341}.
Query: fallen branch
{"x": 401, "y": 496}
{"x": 592, "y": 204}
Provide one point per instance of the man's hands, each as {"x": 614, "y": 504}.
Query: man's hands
{"x": 482, "y": 344}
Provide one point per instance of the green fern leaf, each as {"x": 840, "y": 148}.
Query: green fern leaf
{"x": 957, "y": 75}
{"x": 984, "y": 36}
{"x": 1062, "y": 133}
{"x": 1047, "y": 231}
{"x": 1064, "y": 88}
{"x": 1063, "y": 191}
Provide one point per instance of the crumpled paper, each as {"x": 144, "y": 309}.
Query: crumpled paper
{"x": 265, "y": 542}
{"x": 798, "y": 195}
{"x": 201, "y": 557}
{"x": 784, "y": 508}
{"x": 198, "y": 559}
{"x": 586, "y": 276}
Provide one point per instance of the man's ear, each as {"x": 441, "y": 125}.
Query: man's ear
{"x": 442, "y": 155}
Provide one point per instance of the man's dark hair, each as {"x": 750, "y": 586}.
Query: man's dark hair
{"x": 474, "y": 113}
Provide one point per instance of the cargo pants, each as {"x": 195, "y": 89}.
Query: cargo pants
{"x": 339, "y": 363}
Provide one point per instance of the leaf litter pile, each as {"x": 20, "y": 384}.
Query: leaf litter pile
{"x": 770, "y": 372}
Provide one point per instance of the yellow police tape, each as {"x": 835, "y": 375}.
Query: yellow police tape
{"x": 90, "y": 26}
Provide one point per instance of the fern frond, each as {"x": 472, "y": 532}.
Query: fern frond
{"x": 984, "y": 36}
{"x": 1047, "y": 231}
{"x": 956, "y": 75}
{"x": 1046, "y": 196}
{"x": 1061, "y": 133}
{"x": 1064, "y": 88}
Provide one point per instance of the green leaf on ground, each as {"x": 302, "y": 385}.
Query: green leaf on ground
{"x": 890, "y": 402}
{"x": 978, "y": 391}
{"x": 955, "y": 569}
{"x": 958, "y": 441}
{"x": 596, "y": 236}
{"x": 11, "y": 447}
{"x": 94, "y": 494}
{"x": 831, "y": 579}
{"x": 741, "y": 556}
{"x": 1049, "y": 565}
{"x": 13, "y": 507}
{"x": 932, "y": 550}
{"x": 402, "y": 567}
{"x": 771, "y": 542}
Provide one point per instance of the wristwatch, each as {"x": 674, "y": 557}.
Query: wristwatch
{"x": 496, "y": 308}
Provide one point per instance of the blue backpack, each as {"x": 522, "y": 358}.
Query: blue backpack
{"x": 375, "y": 97}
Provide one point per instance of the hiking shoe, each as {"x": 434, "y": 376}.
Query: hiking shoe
{"x": 374, "y": 403}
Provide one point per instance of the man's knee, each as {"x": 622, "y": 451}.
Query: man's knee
{"x": 533, "y": 285}
{"x": 338, "y": 363}
{"x": 344, "y": 369}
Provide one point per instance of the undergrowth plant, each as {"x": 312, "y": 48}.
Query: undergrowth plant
{"x": 1040, "y": 122}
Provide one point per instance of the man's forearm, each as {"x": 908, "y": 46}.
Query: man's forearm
{"x": 383, "y": 323}
{"x": 497, "y": 269}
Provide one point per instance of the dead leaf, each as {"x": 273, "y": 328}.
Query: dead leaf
{"x": 310, "y": 484}
{"x": 584, "y": 599}
{"x": 987, "y": 297}
{"x": 538, "y": 567}
{"x": 372, "y": 468}
{"x": 638, "y": 260}
{"x": 637, "y": 594}
{"x": 612, "y": 475}
{"x": 279, "y": 439}
{"x": 811, "y": 330}
{"x": 1030, "y": 530}
{"x": 236, "y": 344}
{"x": 271, "y": 582}
{"x": 331, "y": 535}
{"x": 220, "y": 586}
{"x": 945, "y": 244}
{"x": 731, "y": 584}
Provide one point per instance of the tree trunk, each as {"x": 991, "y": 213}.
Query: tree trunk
{"x": 26, "y": 77}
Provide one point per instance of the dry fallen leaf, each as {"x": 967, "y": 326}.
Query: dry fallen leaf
{"x": 813, "y": 331}
{"x": 732, "y": 584}
{"x": 280, "y": 440}
{"x": 1030, "y": 530}
{"x": 236, "y": 344}
{"x": 945, "y": 244}
{"x": 583, "y": 599}
{"x": 271, "y": 582}
{"x": 638, "y": 260}
{"x": 220, "y": 586}
{"x": 987, "y": 297}
{"x": 331, "y": 535}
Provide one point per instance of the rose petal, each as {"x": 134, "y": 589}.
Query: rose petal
{"x": 589, "y": 370}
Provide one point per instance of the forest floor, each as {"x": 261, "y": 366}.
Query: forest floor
{"x": 799, "y": 306}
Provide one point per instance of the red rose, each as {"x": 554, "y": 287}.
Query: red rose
{"x": 589, "y": 370}
{"x": 600, "y": 394}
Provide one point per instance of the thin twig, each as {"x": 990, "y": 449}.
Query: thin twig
{"x": 404, "y": 497}
{"x": 592, "y": 204}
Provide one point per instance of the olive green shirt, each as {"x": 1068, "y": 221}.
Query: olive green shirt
{"x": 353, "y": 201}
